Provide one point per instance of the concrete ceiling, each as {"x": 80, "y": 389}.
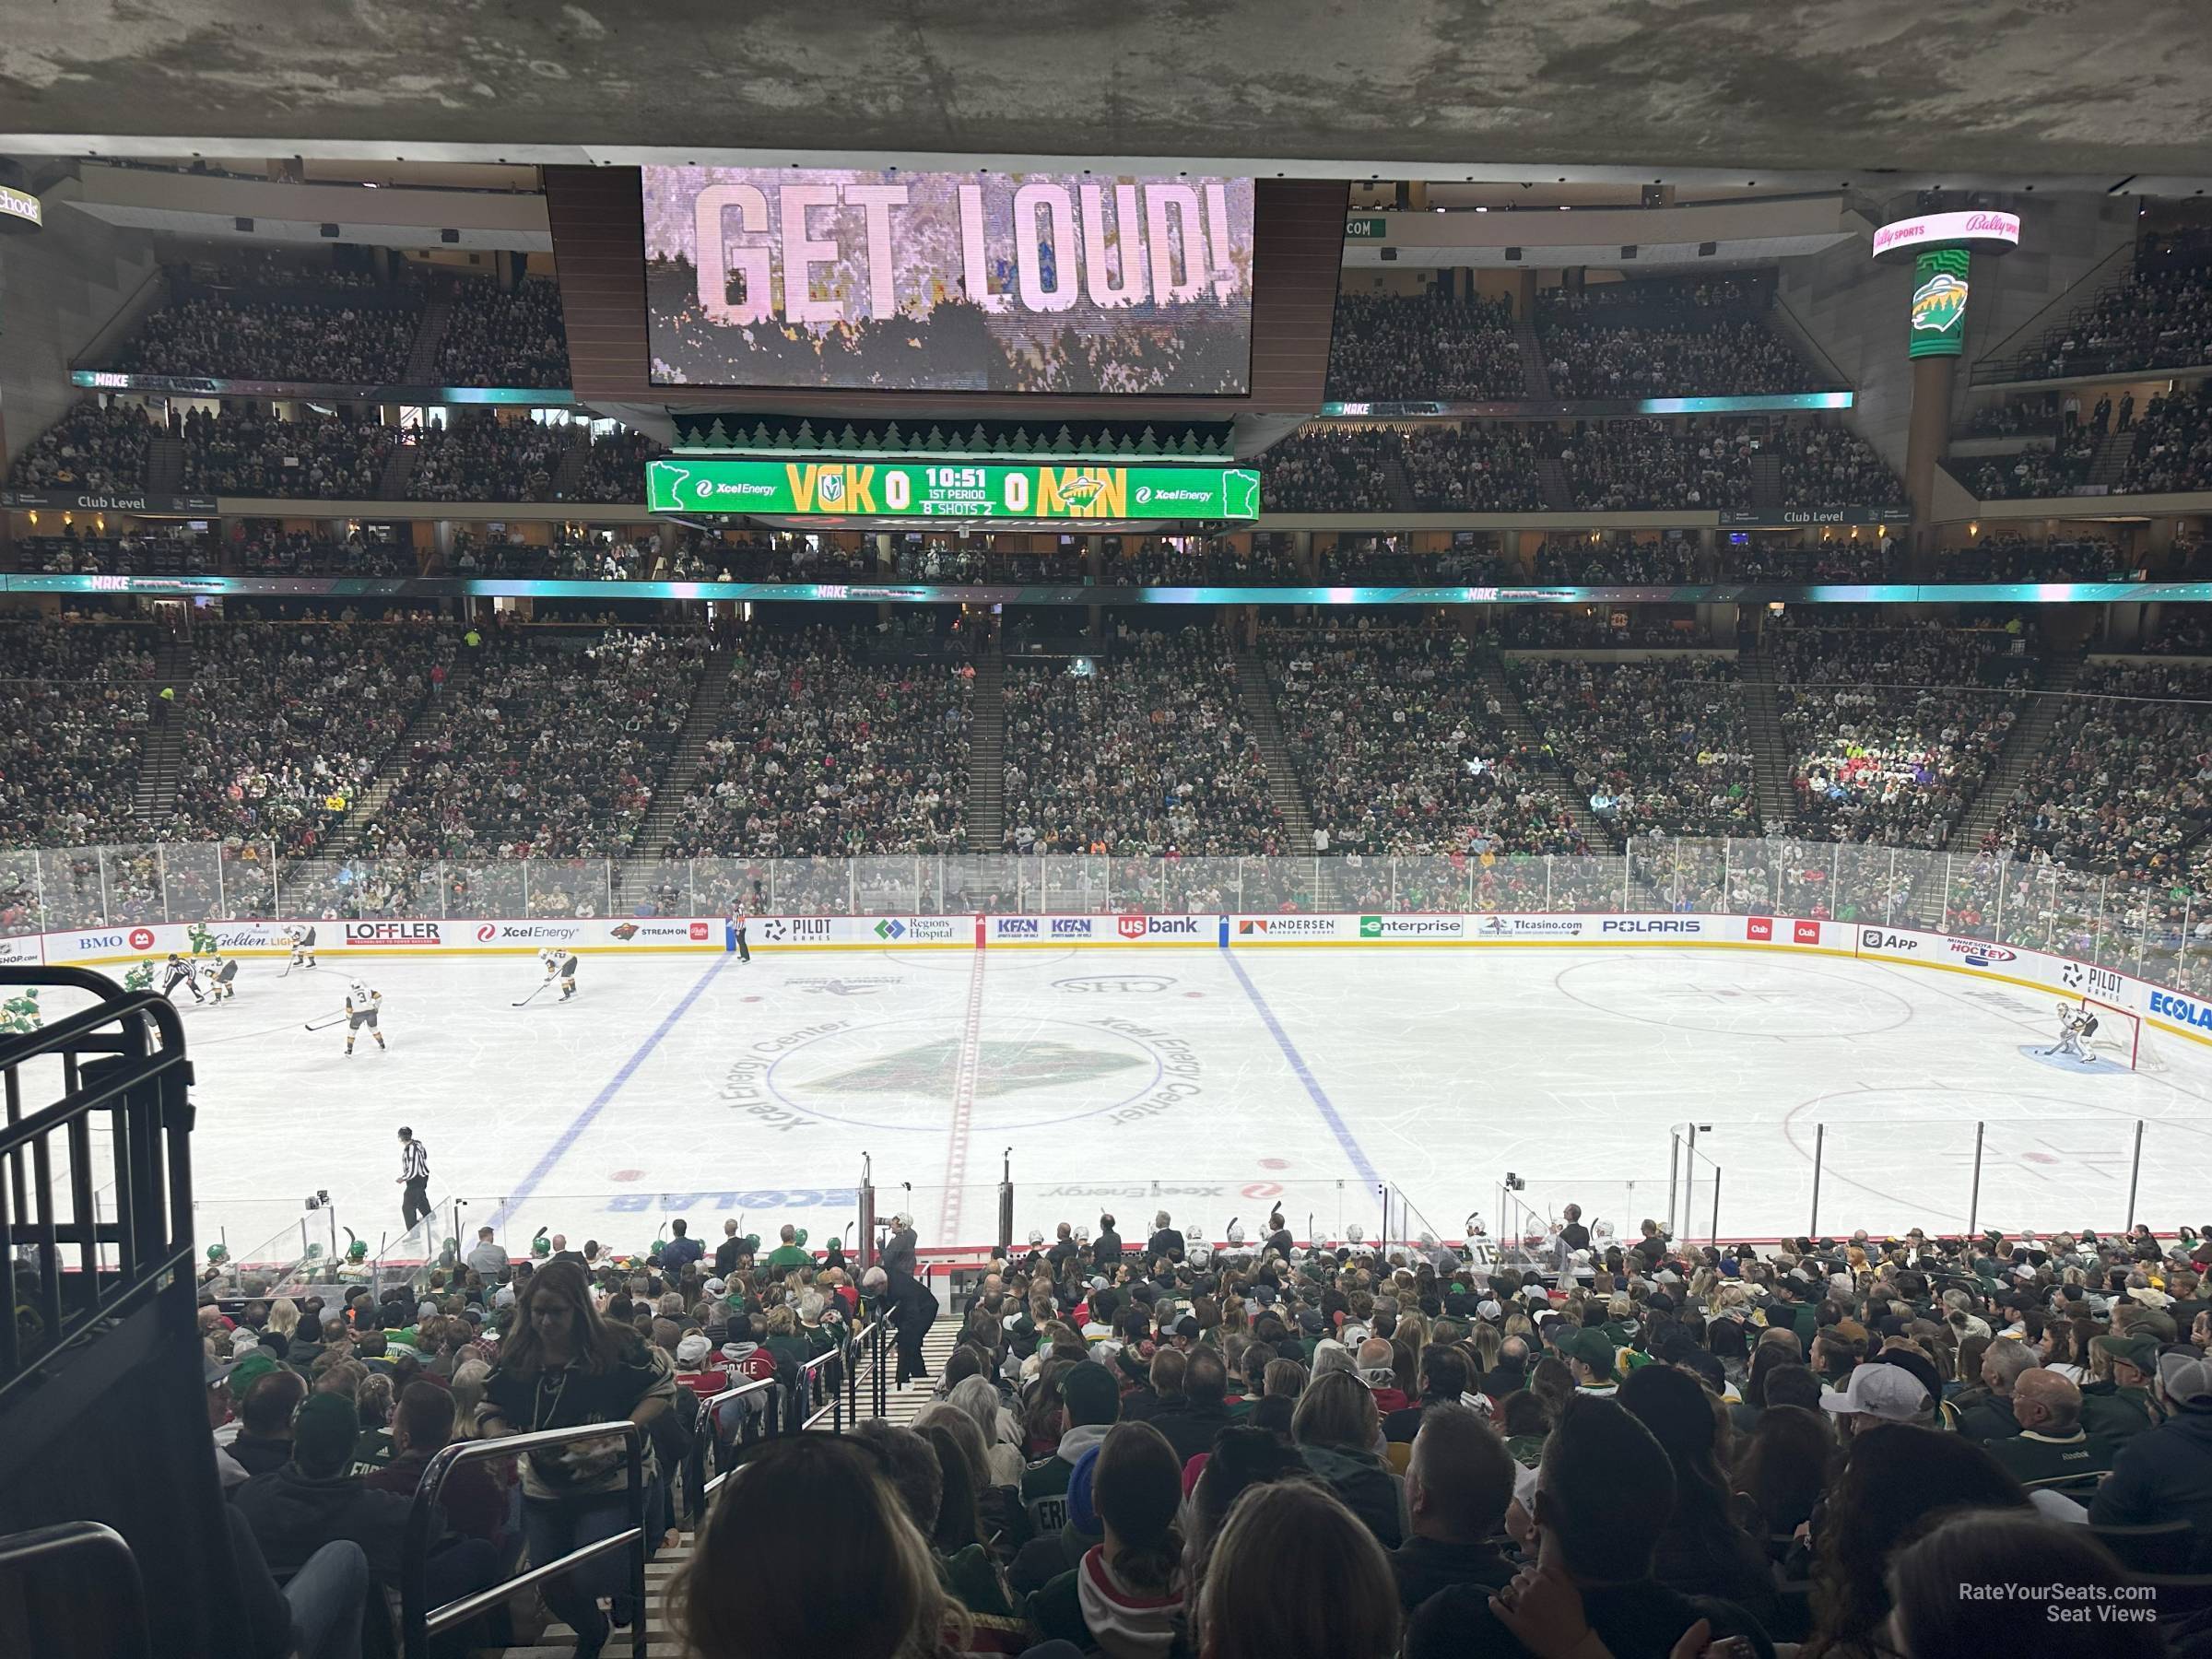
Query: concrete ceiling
{"x": 1956, "y": 92}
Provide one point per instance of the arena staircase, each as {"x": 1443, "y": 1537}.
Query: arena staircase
{"x": 900, "y": 1407}
{"x": 710, "y": 702}
{"x": 345, "y": 835}
{"x": 568, "y": 478}
{"x": 2023, "y": 745}
{"x": 1535, "y": 374}
{"x": 160, "y": 758}
{"x": 2111, "y": 457}
{"x": 1766, "y": 485}
{"x": 1559, "y": 494}
{"x": 1770, "y": 751}
{"x": 1401, "y": 487}
{"x": 1267, "y": 726}
{"x": 399, "y": 466}
{"x": 165, "y": 465}
{"x": 986, "y": 812}
{"x": 422, "y": 356}
{"x": 1602, "y": 836}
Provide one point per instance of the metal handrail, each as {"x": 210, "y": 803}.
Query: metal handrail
{"x": 122, "y": 1592}
{"x": 702, "y": 1485}
{"x": 849, "y": 1351}
{"x": 419, "y": 1622}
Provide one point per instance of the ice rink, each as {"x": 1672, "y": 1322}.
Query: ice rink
{"x": 1211, "y": 1083}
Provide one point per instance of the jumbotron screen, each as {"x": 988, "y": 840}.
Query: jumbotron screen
{"x": 948, "y": 282}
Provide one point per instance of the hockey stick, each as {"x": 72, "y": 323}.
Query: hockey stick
{"x": 324, "y": 1025}
{"x": 532, "y": 997}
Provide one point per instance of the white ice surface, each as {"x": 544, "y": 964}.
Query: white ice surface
{"x": 1209, "y": 1083}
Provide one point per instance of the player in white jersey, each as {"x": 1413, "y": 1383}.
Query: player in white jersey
{"x": 560, "y": 965}
{"x": 2076, "y": 1027}
{"x": 362, "y": 1005}
{"x": 304, "y": 947}
{"x": 222, "y": 977}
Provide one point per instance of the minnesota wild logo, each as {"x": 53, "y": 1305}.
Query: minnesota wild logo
{"x": 1002, "y": 1068}
{"x": 1938, "y": 304}
{"x": 1082, "y": 492}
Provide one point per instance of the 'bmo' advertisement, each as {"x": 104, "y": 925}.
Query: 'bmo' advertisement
{"x": 970, "y": 282}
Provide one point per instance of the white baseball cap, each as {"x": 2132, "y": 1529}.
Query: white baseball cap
{"x": 1889, "y": 1391}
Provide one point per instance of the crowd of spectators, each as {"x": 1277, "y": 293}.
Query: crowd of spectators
{"x": 93, "y": 449}
{"x": 1331, "y": 467}
{"x": 1619, "y": 560}
{"x": 1616, "y": 465}
{"x": 1832, "y": 466}
{"x": 548, "y": 749}
{"x": 160, "y": 549}
{"x": 247, "y": 451}
{"x": 244, "y": 334}
{"x": 1145, "y": 753}
{"x": 478, "y": 455}
{"x": 2017, "y": 416}
{"x": 603, "y": 556}
{"x": 1403, "y": 749}
{"x": 1683, "y": 337}
{"x": 2008, "y": 556}
{"x": 505, "y": 337}
{"x": 283, "y": 724}
{"x": 1388, "y": 347}
{"x": 2173, "y": 445}
{"x": 614, "y": 467}
{"x": 1481, "y": 468}
{"x": 1855, "y": 559}
{"x": 1892, "y": 731}
{"x": 2123, "y": 780}
{"x": 1601, "y": 627}
{"x": 2155, "y": 320}
{"x": 79, "y": 704}
{"x": 1656, "y": 745}
{"x": 1571, "y": 1443}
{"x": 2063, "y": 469}
{"x": 822, "y": 752}
{"x": 261, "y": 548}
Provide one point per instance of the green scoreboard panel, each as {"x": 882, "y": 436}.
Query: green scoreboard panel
{"x": 949, "y": 489}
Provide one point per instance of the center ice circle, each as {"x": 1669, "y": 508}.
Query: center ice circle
{"x": 905, "y": 1074}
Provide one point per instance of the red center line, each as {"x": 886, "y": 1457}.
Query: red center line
{"x": 963, "y": 1107}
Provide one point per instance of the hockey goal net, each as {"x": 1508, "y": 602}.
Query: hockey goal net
{"x": 2119, "y": 1035}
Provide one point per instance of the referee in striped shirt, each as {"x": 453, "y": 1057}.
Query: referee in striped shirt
{"x": 414, "y": 1176}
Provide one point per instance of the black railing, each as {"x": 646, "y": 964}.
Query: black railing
{"x": 125, "y": 1057}
{"x": 419, "y": 1621}
{"x": 839, "y": 1397}
{"x": 117, "y": 1630}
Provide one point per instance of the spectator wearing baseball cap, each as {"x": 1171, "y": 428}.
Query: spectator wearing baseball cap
{"x": 314, "y": 1500}
{"x": 2115, "y": 1402}
{"x": 1589, "y": 1356}
{"x": 1875, "y": 1394}
{"x": 1090, "y": 1402}
{"x": 2166, "y": 1474}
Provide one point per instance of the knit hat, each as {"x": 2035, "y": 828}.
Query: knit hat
{"x": 1082, "y": 1514}
{"x": 248, "y": 1372}
{"x": 323, "y": 1434}
{"x": 1090, "y": 1395}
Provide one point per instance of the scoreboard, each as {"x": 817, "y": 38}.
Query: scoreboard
{"x": 949, "y": 489}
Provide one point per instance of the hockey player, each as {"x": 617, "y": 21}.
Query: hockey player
{"x": 140, "y": 978}
{"x": 178, "y": 971}
{"x": 2076, "y": 1027}
{"x": 564, "y": 967}
{"x": 222, "y": 974}
{"x": 19, "y": 1015}
{"x": 362, "y": 1005}
{"x": 304, "y": 947}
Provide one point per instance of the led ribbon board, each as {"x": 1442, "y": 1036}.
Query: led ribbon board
{"x": 932, "y": 490}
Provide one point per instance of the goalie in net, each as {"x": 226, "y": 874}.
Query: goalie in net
{"x": 2076, "y": 1027}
